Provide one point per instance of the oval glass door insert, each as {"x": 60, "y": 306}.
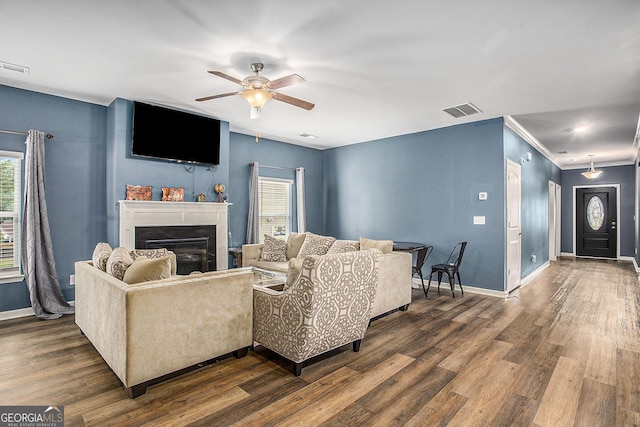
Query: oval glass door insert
{"x": 595, "y": 213}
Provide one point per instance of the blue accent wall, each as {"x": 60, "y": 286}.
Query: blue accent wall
{"x": 424, "y": 188}
{"x": 123, "y": 168}
{"x": 244, "y": 150}
{"x": 623, "y": 175}
{"x": 534, "y": 210}
{"x": 74, "y": 176}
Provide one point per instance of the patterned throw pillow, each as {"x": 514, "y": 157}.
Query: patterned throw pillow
{"x": 118, "y": 262}
{"x": 146, "y": 269}
{"x": 273, "y": 249}
{"x": 172, "y": 194}
{"x": 340, "y": 246}
{"x": 315, "y": 245}
{"x": 101, "y": 255}
{"x": 385, "y": 246}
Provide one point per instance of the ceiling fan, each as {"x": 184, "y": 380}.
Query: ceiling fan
{"x": 257, "y": 89}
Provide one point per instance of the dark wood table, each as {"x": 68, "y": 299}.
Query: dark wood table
{"x": 408, "y": 246}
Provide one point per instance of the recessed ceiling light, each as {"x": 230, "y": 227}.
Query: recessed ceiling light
{"x": 308, "y": 135}
{"x": 577, "y": 129}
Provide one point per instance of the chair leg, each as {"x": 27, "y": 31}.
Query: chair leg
{"x": 356, "y": 345}
{"x": 297, "y": 369}
{"x": 452, "y": 283}
{"x": 460, "y": 282}
{"x": 428, "y": 286}
{"x": 421, "y": 278}
{"x": 439, "y": 280}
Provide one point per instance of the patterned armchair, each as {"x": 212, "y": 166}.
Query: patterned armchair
{"x": 326, "y": 307}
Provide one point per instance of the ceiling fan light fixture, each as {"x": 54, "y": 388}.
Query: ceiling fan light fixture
{"x": 591, "y": 173}
{"x": 257, "y": 97}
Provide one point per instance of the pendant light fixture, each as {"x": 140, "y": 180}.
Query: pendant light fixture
{"x": 591, "y": 173}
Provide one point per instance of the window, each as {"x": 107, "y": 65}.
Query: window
{"x": 10, "y": 206}
{"x": 275, "y": 210}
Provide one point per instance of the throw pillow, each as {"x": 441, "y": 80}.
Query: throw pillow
{"x": 147, "y": 269}
{"x": 273, "y": 249}
{"x": 295, "y": 266}
{"x": 340, "y": 246}
{"x": 118, "y": 262}
{"x": 156, "y": 253}
{"x": 294, "y": 243}
{"x": 315, "y": 245}
{"x": 385, "y": 246}
{"x": 101, "y": 255}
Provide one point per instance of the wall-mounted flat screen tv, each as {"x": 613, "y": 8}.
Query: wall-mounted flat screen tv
{"x": 166, "y": 134}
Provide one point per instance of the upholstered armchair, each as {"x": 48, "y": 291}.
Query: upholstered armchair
{"x": 327, "y": 306}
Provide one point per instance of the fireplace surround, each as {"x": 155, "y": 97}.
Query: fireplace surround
{"x": 136, "y": 214}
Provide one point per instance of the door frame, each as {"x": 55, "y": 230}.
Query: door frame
{"x": 507, "y": 260}
{"x": 575, "y": 227}
{"x": 554, "y": 220}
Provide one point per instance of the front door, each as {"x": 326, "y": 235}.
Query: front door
{"x": 596, "y": 222}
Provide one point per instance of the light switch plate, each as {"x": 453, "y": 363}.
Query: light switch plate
{"x": 479, "y": 220}
{"x": 482, "y": 195}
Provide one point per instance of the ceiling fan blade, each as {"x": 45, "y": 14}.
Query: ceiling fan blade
{"x": 222, "y": 95}
{"x": 293, "y": 101}
{"x": 286, "y": 81}
{"x": 225, "y": 76}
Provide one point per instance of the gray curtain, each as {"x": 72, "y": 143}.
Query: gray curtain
{"x": 38, "y": 264}
{"x": 300, "y": 205}
{"x": 253, "y": 222}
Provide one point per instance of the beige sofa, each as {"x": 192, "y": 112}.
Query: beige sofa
{"x": 394, "y": 277}
{"x": 149, "y": 331}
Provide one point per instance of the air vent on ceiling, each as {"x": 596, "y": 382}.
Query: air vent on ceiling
{"x": 462, "y": 110}
{"x": 563, "y": 152}
{"x": 13, "y": 67}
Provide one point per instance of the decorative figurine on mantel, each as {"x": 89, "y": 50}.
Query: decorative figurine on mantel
{"x": 219, "y": 188}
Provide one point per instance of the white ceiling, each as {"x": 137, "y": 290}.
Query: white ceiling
{"x": 374, "y": 68}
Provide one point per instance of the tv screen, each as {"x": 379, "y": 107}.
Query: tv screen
{"x": 162, "y": 133}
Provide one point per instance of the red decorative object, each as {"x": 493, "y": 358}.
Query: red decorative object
{"x": 171, "y": 194}
{"x": 139, "y": 192}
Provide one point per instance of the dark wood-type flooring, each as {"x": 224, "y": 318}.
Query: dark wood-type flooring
{"x": 565, "y": 351}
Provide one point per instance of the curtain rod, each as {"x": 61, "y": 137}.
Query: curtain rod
{"x": 273, "y": 167}
{"x": 15, "y": 132}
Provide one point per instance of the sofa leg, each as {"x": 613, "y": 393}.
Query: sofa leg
{"x": 242, "y": 352}
{"x": 356, "y": 345}
{"x": 404, "y": 307}
{"x": 136, "y": 390}
{"x": 297, "y": 369}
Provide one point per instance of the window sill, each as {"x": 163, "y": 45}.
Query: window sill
{"x": 11, "y": 279}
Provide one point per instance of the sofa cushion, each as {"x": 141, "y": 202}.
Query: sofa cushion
{"x": 294, "y": 243}
{"x": 280, "y": 267}
{"x": 295, "y": 265}
{"x": 315, "y": 245}
{"x": 340, "y": 246}
{"x": 145, "y": 269}
{"x": 273, "y": 249}
{"x": 118, "y": 262}
{"x": 101, "y": 255}
{"x": 156, "y": 253}
{"x": 386, "y": 246}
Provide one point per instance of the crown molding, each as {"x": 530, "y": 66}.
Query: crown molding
{"x": 513, "y": 124}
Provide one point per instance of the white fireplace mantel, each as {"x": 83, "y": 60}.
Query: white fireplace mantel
{"x": 138, "y": 213}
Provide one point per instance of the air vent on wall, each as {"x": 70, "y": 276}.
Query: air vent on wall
{"x": 13, "y": 67}
{"x": 462, "y": 110}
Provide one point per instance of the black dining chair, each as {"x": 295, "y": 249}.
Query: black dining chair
{"x": 423, "y": 255}
{"x": 451, "y": 268}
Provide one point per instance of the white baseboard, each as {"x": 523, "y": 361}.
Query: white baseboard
{"x": 14, "y": 314}
{"x": 21, "y": 312}
{"x": 472, "y": 289}
{"x": 569, "y": 254}
{"x": 529, "y": 277}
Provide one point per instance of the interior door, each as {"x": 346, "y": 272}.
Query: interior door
{"x": 596, "y": 222}
{"x": 514, "y": 230}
